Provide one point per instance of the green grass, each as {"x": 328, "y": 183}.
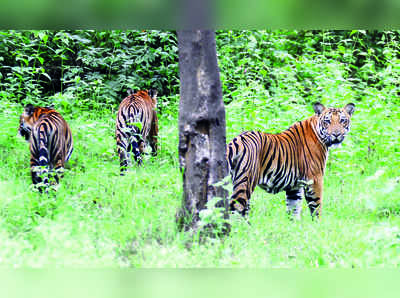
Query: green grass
{"x": 132, "y": 222}
{"x": 269, "y": 78}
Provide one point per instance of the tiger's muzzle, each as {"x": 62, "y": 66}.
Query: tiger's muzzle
{"x": 335, "y": 139}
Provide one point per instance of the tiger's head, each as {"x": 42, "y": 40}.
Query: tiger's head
{"x": 26, "y": 122}
{"x": 333, "y": 124}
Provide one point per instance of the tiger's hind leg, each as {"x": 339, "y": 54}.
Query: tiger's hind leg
{"x": 123, "y": 150}
{"x": 293, "y": 202}
{"x": 58, "y": 170}
{"x": 240, "y": 199}
{"x": 245, "y": 175}
{"x": 137, "y": 148}
{"x": 39, "y": 166}
{"x": 39, "y": 178}
{"x": 123, "y": 161}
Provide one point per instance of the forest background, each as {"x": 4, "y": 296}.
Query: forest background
{"x": 269, "y": 81}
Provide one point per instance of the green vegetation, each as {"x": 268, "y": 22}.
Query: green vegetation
{"x": 97, "y": 218}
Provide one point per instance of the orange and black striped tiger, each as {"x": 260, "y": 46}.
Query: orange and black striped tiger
{"x": 292, "y": 161}
{"x": 136, "y": 125}
{"x": 50, "y": 141}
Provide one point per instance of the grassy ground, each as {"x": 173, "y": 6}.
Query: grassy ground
{"x": 132, "y": 222}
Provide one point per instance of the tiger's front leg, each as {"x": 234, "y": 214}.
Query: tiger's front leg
{"x": 293, "y": 202}
{"x": 313, "y": 194}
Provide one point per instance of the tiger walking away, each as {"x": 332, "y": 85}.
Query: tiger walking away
{"x": 136, "y": 125}
{"x": 50, "y": 142}
{"x": 292, "y": 161}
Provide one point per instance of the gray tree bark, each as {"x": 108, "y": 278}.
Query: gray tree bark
{"x": 202, "y": 139}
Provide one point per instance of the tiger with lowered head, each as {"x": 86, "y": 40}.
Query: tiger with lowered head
{"x": 50, "y": 142}
{"x": 292, "y": 161}
{"x": 136, "y": 125}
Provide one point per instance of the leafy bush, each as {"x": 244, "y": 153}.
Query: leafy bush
{"x": 95, "y": 66}
{"x": 303, "y": 63}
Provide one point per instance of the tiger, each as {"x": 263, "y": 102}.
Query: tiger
{"x": 292, "y": 161}
{"x": 50, "y": 140}
{"x": 136, "y": 125}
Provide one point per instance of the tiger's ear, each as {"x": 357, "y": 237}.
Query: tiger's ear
{"x": 318, "y": 108}
{"x": 349, "y": 108}
{"x": 29, "y": 108}
{"x": 153, "y": 93}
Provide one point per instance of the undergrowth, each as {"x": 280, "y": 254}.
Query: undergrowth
{"x": 98, "y": 219}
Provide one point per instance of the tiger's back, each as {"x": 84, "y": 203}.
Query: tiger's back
{"x": 263, "y": 154}
{"x": 50, "y": 140}
{"x": 136, "y": 124}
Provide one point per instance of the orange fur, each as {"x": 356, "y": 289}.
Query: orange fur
{"x": 139, "y": 107}
{"x": 292, "y": 161}
{"x": 50, "y": 141}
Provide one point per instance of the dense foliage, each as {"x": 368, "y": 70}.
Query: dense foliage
{"x": 298, "y": 59}
{"x": 98, "y": 66}
{"x": 269, "y": 80}
{"x": 95, "y": 66}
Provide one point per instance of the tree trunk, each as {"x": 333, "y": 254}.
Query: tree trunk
{"x": 202, "y": 139}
